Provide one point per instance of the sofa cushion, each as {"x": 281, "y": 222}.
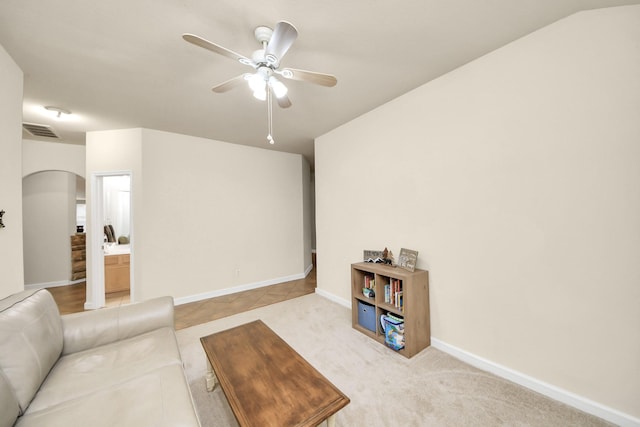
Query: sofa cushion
{"x": 157, "y": 398}
{"x": 9, "y": 409}
{"x": 103, "y": 367}
{"x": 86, "y": 330}
{"x": 30, "y": 341}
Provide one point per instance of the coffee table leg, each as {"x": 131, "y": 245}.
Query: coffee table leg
{"x": 211, "y": 378}
{"x": 331, "y": 421}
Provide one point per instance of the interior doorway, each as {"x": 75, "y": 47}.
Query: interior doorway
{"x": 51, "y": 206}
{"x": 112, "y": 241}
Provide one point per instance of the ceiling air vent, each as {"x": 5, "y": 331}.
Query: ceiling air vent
{"x": 39, "y": 130}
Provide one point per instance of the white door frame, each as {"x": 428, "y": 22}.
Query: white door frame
{"x": 95, "y": 287}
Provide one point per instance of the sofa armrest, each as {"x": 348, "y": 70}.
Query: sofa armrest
{"x": 90, "y": 329}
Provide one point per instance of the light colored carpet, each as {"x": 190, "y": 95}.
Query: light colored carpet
{"x": 385, "y": 389}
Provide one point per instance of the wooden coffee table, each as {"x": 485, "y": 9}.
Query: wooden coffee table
{"x": 266, "y": 382}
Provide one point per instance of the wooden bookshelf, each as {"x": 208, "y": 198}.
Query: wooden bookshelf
{"x": 414, "y": 310}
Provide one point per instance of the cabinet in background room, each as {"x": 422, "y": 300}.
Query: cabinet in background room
{"x": 78, "y": 256}
{"x": 116, "y": 273}
{"x": 398, "y": 294}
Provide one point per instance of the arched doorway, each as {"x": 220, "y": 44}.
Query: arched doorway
{"x": 52, "y": 205}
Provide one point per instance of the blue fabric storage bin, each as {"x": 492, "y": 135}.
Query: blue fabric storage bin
{"x": 367, "y": 316}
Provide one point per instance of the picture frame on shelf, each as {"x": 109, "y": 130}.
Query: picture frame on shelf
{"x": 408, "y": 259}
{"x": 372, "y": 256}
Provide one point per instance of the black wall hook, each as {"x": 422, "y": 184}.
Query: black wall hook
{"x": 1, "y": 224}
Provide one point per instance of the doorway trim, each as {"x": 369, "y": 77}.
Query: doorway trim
{"x": 95, "y": 286}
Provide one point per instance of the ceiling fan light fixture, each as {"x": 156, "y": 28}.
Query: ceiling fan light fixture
{"x": 279, "y": 89}
{"x": 258, "y": 85}
{"x": 57, "y": 112}
{"x": 260, "y": 94}
{"x": 256, "y": 82}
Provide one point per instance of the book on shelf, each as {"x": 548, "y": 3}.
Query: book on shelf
{"x": 393, "y": 293}
{"x": 398, "y": 301}
{"x": 369, "y": 282}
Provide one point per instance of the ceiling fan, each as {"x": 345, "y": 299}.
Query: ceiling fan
{"x": 266, "y": 64}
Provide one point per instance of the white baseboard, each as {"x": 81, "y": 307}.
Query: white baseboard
{"x": 333, "y": 298}
{"x": 556, "y": 393}
{"x": 90, "y": 306}
{"x": 52, "y": 284}
{"x": 236, "y": 289}
{"x": 308, "y": 270}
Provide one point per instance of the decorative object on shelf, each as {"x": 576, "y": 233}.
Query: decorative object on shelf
{"x": 407, "y": 259}
{"x": 369, "y": 293}
{"x": 373, "y": 256}
{"x": 1, "y": 223}
{"x": 387, "y": 256}
{"x": 378, "y": 257}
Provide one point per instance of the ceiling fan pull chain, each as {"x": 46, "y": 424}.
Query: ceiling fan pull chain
{"x": 269, "y": 117}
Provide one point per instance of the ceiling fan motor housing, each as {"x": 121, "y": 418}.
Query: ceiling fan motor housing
{"x": 263, "y": 34}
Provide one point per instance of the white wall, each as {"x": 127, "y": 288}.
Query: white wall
{"x": 209, "y": 216}
{"x": 47, "y": 194}
{"x": 11, "y": 80}
{"x": 107, "y": 151}
{"x": 40, "y": 156}
{"x": 307, "y": 214}
{"x": 49, "y": 219}
{"x": 516, "y": 178}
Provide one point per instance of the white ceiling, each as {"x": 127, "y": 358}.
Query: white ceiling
{"x": 120, "y": 63}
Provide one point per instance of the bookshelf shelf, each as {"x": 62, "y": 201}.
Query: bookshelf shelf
{"x": 407, "y": 297}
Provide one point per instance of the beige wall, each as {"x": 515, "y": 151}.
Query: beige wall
{"x": 208, "y": 216}
{"x": 111, "y": 151}
{"x": 11, "y": 272}
{"x": 49, "y": 215}
{"x": 40, "y": 156}
{"x": 307, "y": 213}
{"x": 516, "y": 178}
{"x": 49, "y": 218}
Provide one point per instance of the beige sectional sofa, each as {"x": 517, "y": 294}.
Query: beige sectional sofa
{"x": 116, "y": 366}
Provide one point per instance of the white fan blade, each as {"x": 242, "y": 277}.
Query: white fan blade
{"x": 230, "y": 84}
{"x": 199, "y": 41}
{"x": 309, "y": 76}
{"x": 284, "y": 34}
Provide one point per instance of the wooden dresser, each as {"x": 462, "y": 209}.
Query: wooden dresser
{"x": 78, "y": 256}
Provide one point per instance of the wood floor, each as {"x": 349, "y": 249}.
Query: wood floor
{"x": 71, "y": 299}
